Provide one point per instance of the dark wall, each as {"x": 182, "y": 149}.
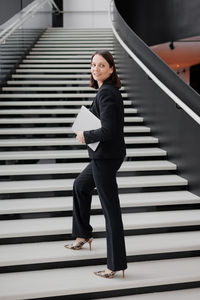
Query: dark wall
{"x": 57, "y": 19}
{"x": 178, "y": 133}
{"x": 8, "y": 8}
{"x": 194, "y": 77}
{"x": 159, "y": 21}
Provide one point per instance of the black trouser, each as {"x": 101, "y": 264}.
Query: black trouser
{"x": 102, "y": 175}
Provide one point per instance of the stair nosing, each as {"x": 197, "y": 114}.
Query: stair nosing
{"x": 65, "y": 203}
{"x": 66, "y": 184}
{"x": 55, "y": 252}
{"x": 88, "y": 283}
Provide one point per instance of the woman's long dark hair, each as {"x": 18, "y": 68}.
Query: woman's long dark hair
{"x": 114, "y": 78}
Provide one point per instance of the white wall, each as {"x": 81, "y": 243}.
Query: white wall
{"x": 86, "y": 14}
{"x": 40, "y": 19}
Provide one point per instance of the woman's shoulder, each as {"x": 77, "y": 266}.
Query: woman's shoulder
{"x": 108, "y": 94}
{"x": 108, "y": 86}
{"x": 108, "y": 89}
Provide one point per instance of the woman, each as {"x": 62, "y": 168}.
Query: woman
{"x": 105, "y": 162}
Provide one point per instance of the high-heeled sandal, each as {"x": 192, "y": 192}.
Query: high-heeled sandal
{"x": 108, "y": 275}
{"x": 80, "y": 244}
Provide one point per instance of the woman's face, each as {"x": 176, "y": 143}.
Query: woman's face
{"x": 100, "y": 69}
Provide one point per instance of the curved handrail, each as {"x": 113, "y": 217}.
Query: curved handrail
{"x": 171, "y": 94}
{"x": 34, "y": 7}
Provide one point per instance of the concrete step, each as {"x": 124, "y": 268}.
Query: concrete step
{"x": 67, "y": 31}
{"x": 53, "y": 111}
{"x": 67, "y": 142}
{"x": 13, "y": 45}
{"x": 75, "y": 46}
{"x": 53, "y": 95}
{"x": 49, "y": 103}
{"x": 22, "y": 37}
{"x": 10, "y": 57}
{"x": 60, "y": 130}
{"x": 66, "y": 184}
{"x": 45, "y": 252}
{"x": 57, "y": 71}
{"x": 62, "y": 30}
{"x": 44, "y": 111}
{"x": 139, "y": 275}
{"x": 183, "y": 294}
{"x": 69, "y": 154}
{"x": 47, "y": 82}
{"x": 55, "y": 120}
{"x": 131, "y": 221}
{"x": 49, "y": 204}
{"x": 18, "y": 43}
{"x": 70, "y": 168}
{"x": 47, "y": 95}
{"x": 56, "y": 88}
{"x": 74, "y": 42}
{"x": 72, "y": 47}
{"x": 43, "y": 51}
{"x": 39, "y": 60}
{"x": 65, "y": 203}
{"x": 53, "y": 103}
{"x": 56, "y": 154}
{"x": 50, "y": 32}
{"x": 76, "y": 36}
{"x": 73, "y": 57}
{"x": 74, "y": 66}
{"x": 8, "y": 61}
{"x": 86, "y": 38}
{"x": 50, "y": 76}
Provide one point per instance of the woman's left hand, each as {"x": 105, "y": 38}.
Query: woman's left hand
{"x": 80, "y": 136}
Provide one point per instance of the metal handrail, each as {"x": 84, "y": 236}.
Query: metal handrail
{"x": 4, "y": 34}
{"x": 175, "y": 98}
{"x": 14, "y": 23}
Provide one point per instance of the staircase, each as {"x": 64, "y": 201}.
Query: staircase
{"x": 40, "y": 158}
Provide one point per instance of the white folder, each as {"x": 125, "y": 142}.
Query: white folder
{"x": 86, "y": 120}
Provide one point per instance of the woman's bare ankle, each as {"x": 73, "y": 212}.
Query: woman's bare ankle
{"x": 78, "y": 239}
{"x": 108, "y": 270}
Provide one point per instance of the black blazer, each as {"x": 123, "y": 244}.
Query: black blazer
{"x": 108, "y": 107}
